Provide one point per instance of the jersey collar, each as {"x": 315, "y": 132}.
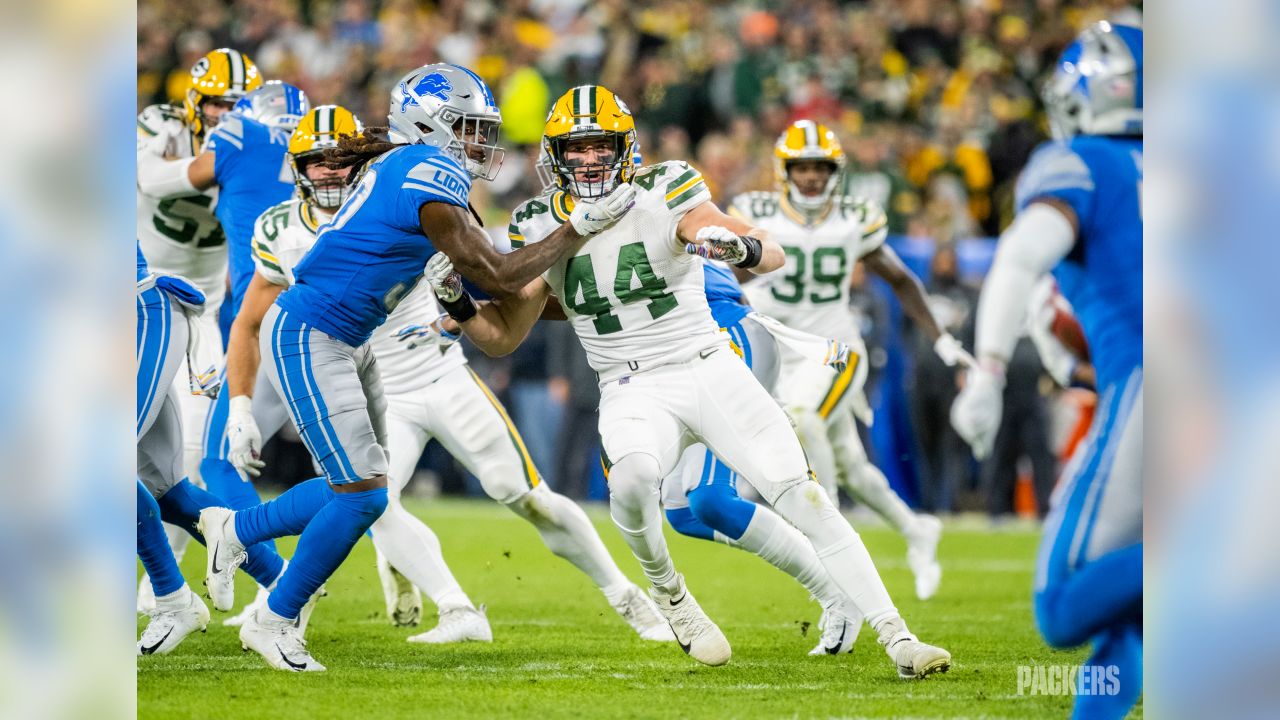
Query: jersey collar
{"x": 799, "y": 217}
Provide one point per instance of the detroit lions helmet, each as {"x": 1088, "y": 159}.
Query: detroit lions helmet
{"x": 1097, "y": 87}
{"x": 450, "y": 107}
{"x": 276, "y": 104}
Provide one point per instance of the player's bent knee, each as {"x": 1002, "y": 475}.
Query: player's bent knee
{"x": 720, "y": 507}
{"x": 634, "y": 476}
{"x": 685, "y": 523}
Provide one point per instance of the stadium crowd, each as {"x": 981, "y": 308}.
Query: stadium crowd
{"x": 936, "y": 102}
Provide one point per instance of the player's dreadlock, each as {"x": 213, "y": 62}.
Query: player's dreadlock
{"x": 354, "y": 152}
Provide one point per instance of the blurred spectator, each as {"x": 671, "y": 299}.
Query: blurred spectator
{"x": 537, "y": 412}
{"x": 574, "y": 386}
{"x": 1024, "y": 433}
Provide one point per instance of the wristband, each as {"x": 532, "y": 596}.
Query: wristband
{"x": 241, "y": 404}
{"x": 754, "y": 250}
{"x": 462, "y": 309}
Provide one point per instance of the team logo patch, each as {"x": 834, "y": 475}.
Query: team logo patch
{"x": 435, "y": 85}
{"x": 201, "y": 68}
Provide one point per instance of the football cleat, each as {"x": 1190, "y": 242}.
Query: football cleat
{"x": 168, "y": 627}
{"x": 225, "y": 553}
{"x": 642, "y": 615}
{"x": 461, "y": 624}
{"x": 839, "y": 631}
{"x": 922, "y": 555}
{"x": 278, "y": 641}
{"x": 695, "y": 633}
{"x": 404, "y": 601}
{"x": 239, "y": 618}
{"x": 915, "y": 660}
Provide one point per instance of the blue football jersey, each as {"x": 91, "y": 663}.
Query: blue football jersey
{"x": 252, "y": 173}
{"x": 1101, "y": 179}
{"x": 724, "y": 295}
{"x": 142, "y": 264}
{"x": 373, "y": 252}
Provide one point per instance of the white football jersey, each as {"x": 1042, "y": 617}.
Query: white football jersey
{"x": 286, "y": 232}
{"x": 631, "y": 292}
{"x": 181, "y": 235}
{"x": 811, "y": 292}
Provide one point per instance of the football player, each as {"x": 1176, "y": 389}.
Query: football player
{"x": 411, "y": 199}
{"x": 431, "y": 393}
{"x": 634, "y": 295}
{"x": 823, "y": 234}
{"x": 1079, "y": 202}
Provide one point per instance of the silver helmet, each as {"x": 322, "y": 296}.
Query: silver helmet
{"x": 450, "y": 107}
{"x": 1097, "y": 86}
{"x": 275, "y": 104}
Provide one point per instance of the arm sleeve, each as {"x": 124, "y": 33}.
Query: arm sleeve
{"x": 1036, "y": 241}
{"x": 163, "y": 178}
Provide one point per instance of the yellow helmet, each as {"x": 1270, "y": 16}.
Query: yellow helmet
{"x": 590, "y": 111}
{"x": 319, "y": 130}
{"x": 223, "y": 74}
{"x": 807, "y": 140}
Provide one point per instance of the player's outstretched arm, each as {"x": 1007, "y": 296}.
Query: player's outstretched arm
{"x": 712, "y": 233}
{"x": 884, "y": 262}
{"x": 496, "y": 327}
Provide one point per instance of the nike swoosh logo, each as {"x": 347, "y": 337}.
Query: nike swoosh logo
{"x": 216, "y": 547}
{"x": 835, "y": 649}
{"x": 684, "y": 646}
{"x": 707, "y": 353}
{"x": 677, "y": 602}
{"x": 148, "y": 650}
{"x": 289, "y": 662}
{"x": 464, "y": 97}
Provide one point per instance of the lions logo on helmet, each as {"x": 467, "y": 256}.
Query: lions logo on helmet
{"x": 319, "y": 130}
{"x": 588, "y": 112}
{"x": 222, "y": 76}
{"x": 452, "y": 108}
{"x": 806, "y": 140}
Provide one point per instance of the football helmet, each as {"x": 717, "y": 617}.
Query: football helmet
{"x": 276, "y": 104}
{"x": 1097, "y": 86}
{"x": 320, "y": 129}
{"x": 590, "y": 111}
{"x": 450, "y": 107}
{"x": 807, "y": 140}
{"x": 223, "y": 74}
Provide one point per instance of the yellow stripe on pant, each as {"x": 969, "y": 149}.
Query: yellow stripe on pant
{"x": 839, "y": 386}
{"x": 530, "y": 471}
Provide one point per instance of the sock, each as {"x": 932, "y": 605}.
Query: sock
{"x": 634, "y": 507}
{"x": 288, "y": 514}
{"x": 862, "y": 479}
{"x": 182, "y": 505}
{"x": 153, "y": 547}
{"x": 224, "y": 482}
{"x": 413, "y": 549}
{"x": 1091, "y": 599}
{"x": 812, "y": 431}
{"x": 323, "y": 545}
{"x": 175, "y": 600}
{"x": 1116, "y": 664}
{"x": 782, "y": 546}
{"x": 807, "y": 507}
{"x": 568, "y": 533}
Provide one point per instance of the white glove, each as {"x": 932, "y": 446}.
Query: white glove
{"x": 243, "y": 436}
{"x": 718, "y": 243}
{"x": 589, "y": 218}
{"x": 976, "y": 412}
{"x": 445, "y": 282}
{"x": 429, "y": 333}
{"x": 951, "y": 351}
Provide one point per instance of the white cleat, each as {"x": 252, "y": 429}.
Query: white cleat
{"x": 404, "y": 601}
{"x": 922, "y": 555}
{"x": 642, "y": 615}
{"x": 169, "y": 626}
{"x": 225, "y": 553}
{"x": 278, "y": 641}
{"x": 461, "y": 624}
{"x": 839, "y": 631}
{"x": 915, "y": 660}
{"x": 259, "y": 600}
{"x": 146, "y": 596}
{"x": 700, "y": 638}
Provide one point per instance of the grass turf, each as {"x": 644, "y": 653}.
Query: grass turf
{"x": 560, "y": 651}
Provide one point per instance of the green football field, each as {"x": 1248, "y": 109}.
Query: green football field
{"x": 560, "y": 651}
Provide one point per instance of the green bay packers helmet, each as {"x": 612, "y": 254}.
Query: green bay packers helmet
{"x": 223, "y": 74}
{"x": 319, "y": 130}
{"x": 807, "y": 140}
{"x": 587, "y": 112}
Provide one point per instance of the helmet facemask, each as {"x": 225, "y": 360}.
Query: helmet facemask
{"x": 609, "y": 168}
{"x": 805, "y": 202}
{"x": 326, "y": 194}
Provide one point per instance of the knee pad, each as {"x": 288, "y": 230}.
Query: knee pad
{"x": 635, "y": 475}
{"x": 720, "y": 507}
{"x": 684, "y": 522}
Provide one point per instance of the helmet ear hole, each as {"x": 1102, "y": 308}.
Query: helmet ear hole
{"x": 424, "y": 128}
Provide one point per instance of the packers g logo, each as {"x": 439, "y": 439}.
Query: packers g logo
{"x": 622, "y": 106}
{"x": 201, "y": 68}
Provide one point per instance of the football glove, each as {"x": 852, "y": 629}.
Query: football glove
{"x": 589, "y": 218}
{"x": 243, "y": 437}
{"x": 720, "y": 243}
{"x": 951, "y": 351}
{"x": 431, "y": 333}
{"x": 445, "y": 282}
{"x": 977, "y": 410}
